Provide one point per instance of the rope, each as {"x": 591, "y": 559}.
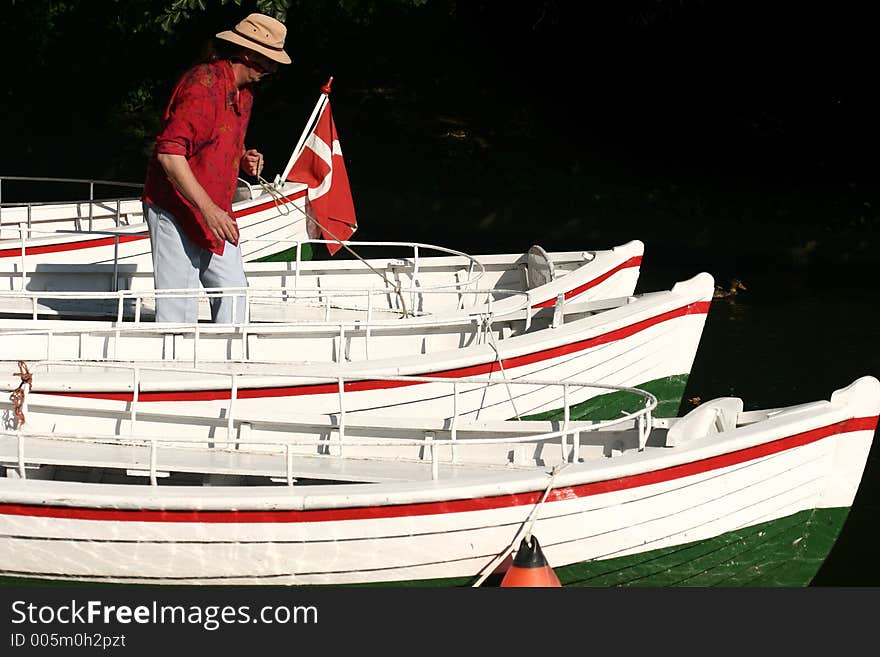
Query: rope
{"x": 278, "y": 197}
{"x": 494, "y": 344}
{"x": 525, "y": 531}
{"x": 18, "y": 395}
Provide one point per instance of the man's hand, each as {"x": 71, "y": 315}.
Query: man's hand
{"x": 221, "y": 224}
{"x": 216, "y": 219}
{"x": 252, "y": 162}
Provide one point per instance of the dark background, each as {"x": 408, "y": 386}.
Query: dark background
{"x": 737, "y": 133}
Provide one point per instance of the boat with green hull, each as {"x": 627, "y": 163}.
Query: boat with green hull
{"x": 717, "y": 497}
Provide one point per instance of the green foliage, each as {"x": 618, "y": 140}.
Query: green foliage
{"x": 181, "y": 11}
{"x": 133, "y": 116}
{"x": 360, "y": 11}
{"x": 119, "y": 60}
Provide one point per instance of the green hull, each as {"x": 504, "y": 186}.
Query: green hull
{"x": 786, "y": 552}
{"x": 782, "y": 553}
{"x": 289, "y": 255}
{"x": 668, "y": 392}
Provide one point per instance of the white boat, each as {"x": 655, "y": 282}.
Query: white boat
{"x": 100, "y": 211}
{"x": 721, "y": 496}
{"x": 114, "y": 232}
{"x": 408, "y": 280}
{"x": 646, "y": 341}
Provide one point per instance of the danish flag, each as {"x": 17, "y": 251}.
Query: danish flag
{"x": 321, "y": 167}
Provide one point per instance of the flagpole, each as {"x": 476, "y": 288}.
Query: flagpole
{"x": 322, "y": 100}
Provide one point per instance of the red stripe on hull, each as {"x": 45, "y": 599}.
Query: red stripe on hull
{"x": 452, "y": 506}
{"x": 108, "y": 241}
{"x": 483, "y": 369}
{"x": 635, "y": 261}
{"x": 72, "y": 246}
{"x": 268, "y": 204}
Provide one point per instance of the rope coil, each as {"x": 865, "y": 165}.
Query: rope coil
{"x": 17, "y": 396}
{"x": 277, "y": 197}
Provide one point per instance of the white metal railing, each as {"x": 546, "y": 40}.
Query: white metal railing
{"x": 640, "y": 417}
{"x": 128, "y": 305}
{"x": 476, "y": 269}
{"x": 91, "y": 200}
{"x": 455, "y": 383}
{"x": 111, "y": 339}
{"x": 22, "y": 245}
{"x": 113, "y": 208}
{"x": 393, "y": 266}
{"x": 113, "y": 335}
{"x": 91, "y": 182}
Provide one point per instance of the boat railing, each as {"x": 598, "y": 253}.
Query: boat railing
{"x": 436, "y": 451}
{"x": 242, "y": 334}
{"x": 25, "y": 233}
{"x": 91, "y": 200}
{"x": 128, "y": 305}
{"x": 563, "y": 399}
{"x": 410, "y": 265}
{"x": 475, "y": 269}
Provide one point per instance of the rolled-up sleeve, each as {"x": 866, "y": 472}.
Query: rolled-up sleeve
{"x": 190, "y": 116}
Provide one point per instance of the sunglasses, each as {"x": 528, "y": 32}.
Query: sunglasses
{"x": 258, "y": 66}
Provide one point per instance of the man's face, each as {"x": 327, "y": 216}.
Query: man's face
{"x": 258, "y": 66}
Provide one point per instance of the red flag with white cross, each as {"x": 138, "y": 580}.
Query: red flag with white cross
{"x": 321, "y": 167}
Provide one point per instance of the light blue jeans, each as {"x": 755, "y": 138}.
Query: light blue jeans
{"x": 178, "y": 263}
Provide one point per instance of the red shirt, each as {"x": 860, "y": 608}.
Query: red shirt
{"x": 205, "y": 121}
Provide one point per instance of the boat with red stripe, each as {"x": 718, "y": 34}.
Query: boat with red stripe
{"x": 718, "y": 497}
{"x": 407, "y": 280}
{"x": 648, "y": 341}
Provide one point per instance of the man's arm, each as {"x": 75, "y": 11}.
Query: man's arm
{"x": 217, "y": 220}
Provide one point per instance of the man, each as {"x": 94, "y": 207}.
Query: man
{"x": 193, "y": 172}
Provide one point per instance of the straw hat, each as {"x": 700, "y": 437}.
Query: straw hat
{"x": 262, "y": 34}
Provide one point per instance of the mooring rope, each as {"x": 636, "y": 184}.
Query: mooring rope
{"x": 279, "y": 199}
{"x": 487, "y": 327}
{"x": 526, "y": 530}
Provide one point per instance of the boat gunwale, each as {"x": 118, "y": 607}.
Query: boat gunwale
{"x": 590, "y": 477}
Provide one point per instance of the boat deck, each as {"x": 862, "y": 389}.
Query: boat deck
{"x": 221, "y": 461}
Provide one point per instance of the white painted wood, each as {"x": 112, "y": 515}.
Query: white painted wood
{"x": 311, "y": 533}
{"x": 655, "y": 336}
{"x": 56, "y": 233}
{"x": 279, "y": 291}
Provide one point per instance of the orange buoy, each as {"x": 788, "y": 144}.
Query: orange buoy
{"x": 530, "y": 567}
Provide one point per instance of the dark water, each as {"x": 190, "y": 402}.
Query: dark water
{"x": 784, "y": 342}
